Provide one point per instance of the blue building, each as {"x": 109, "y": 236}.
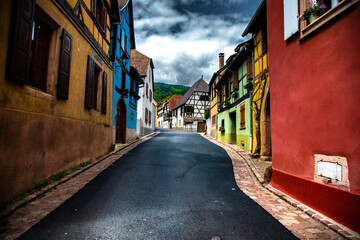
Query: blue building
{"x": 126, "y": 79}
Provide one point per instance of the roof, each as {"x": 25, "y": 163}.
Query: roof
{"x": 217, "y": 73}
{"x": 255, "y": 21}
{"x": 199, "y": 86}
{"x": 173, "y": 101}
{"x": 139, "y": 61}
{"x": 240, "y": 57}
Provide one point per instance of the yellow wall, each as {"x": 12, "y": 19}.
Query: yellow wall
{"x": 260, "y": 86}
{"x": 213, "y": 106}
{"x": 42, "y": 134}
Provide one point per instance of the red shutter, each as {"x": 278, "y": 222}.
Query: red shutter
{"x": 93, "y": 7}
{"x": 249, "y": 68}
{"x": 19, "y": 61}
{"x": 235, "y": 80}
{"x": 104, "y": 94}
{"x": 90, "y": 80}
{"x": 149, "y": 117}
{"x": 64, "y": 66}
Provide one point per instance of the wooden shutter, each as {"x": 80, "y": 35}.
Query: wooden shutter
{"x": 249, "y": 68}
{"x": 235, "y": 80}
{"x": 90, "y": 80}
{"x": 149, "y": 117}
{"x": 93, "y": 7}
{"x": 291, "y": 23}
{"x": 19, "y": 61}
{"x": 104, "y": 23}
{"x": 146, "y": 115}
{"x": 64, "y": 66}
{"x": 104, "y": 94}
{"x": 147, "y": 89}
{"x": 242, "y": 116}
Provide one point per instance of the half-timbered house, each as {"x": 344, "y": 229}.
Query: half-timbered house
{"x": 189, "y": 113}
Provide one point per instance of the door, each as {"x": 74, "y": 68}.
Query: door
{"x": 121, "y": 121}
{"x": 201, "y": 127}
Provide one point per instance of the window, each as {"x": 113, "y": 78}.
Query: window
{"x": 104, "y": 94}
{"x": 150, "y": 98}
{"x": 213, "y": 120}
{"x": 235, "y": 79}
{"x": 149, "y": 117}
{"x": 100, "y": 14}
{"x": 147, "y": 89}
{"x": 92, "y": 81}
{"x": 242, "y": 116}
{"x": 29, "y": 55}
{"x": 204, "y": 98}
{"x": 146, "y": 115}
{"x": 334, "y": 9}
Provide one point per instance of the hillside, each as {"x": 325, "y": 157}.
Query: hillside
{"x": 163, "y": 91}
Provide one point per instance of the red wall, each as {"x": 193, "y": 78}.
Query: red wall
{"x": 315, "y": 94}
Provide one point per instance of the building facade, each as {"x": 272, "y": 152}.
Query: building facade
{"x": 126, "y": 79}
{"x": 55, "y": 88}
{"x": 234, "y": 112}
{"x": 260, "y": 95}
{"x": 145, "y": 117}
{"x": 315, "y": 135}
{"x": 213, "y": 94}
{"x": 189, "y": 112}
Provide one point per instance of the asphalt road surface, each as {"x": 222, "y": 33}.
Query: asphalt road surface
{"x": 174, "y": 186}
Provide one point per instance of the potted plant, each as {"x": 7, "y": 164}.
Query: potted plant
{"x": 312, "y": 12}
{"x": 235, "y": 95}
{"x": 227, "y": 103}
{"x": 134, "y": 94}
{"x": 221, "y": 129}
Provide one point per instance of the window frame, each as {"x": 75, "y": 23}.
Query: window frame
{"x": 308, "y": 29}
{"x": 242, "y": 117}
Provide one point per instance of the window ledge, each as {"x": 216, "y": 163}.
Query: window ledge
{"x": 326, "y": 17}
{"x": 34, "y": 92}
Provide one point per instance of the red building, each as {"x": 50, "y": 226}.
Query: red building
{"x": 315, "y": 110}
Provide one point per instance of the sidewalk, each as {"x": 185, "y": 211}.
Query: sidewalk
{"x": 22, "y": 215}
{"x": 302, "y": 221}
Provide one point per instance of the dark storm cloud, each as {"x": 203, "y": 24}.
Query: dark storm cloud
{"x": 184, "y": 37}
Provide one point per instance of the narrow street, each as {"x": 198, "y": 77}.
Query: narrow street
{"x": 174, "y": 186}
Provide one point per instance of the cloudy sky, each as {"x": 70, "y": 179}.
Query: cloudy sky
{"x": 184, "y": 37}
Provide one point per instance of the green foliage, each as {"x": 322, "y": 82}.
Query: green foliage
{"x": 207, "y": 113}
{"x": 163, "y": 91}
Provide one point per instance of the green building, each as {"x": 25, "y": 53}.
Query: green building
{"x": 234, "y": 112}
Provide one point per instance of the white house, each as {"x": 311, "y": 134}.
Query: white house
{"x": 188, "y": 114}
{"x": 145, "y": 109}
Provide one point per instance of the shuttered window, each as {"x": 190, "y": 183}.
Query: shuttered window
{"x": 249, "y": 68}
{"x": 99, "y": 11}
{"x": 104, "y": 94}
{"x": 149, "y": 117}
{"x": 213, "y": 120}
{"x": 64, "y": 66}
{"x": 235, "y": 79}
{"x": 19, "y": 63}
{"x": 146, "y": 115}
{"x": 92, "y": 76}
{"x": 242, "y": 116}
{"x": 90, "y": 79}
{"x": 147, "y": 89}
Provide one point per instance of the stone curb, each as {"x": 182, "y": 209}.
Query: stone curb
{"x": 18, "y": 204}
{"x": 331, "y": 224}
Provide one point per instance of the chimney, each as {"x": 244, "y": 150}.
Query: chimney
{"x": 221, "y": 60}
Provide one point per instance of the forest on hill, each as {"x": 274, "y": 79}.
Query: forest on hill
{"x": 164, "y": 91}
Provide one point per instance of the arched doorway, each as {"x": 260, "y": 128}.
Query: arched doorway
{"x": 266, "y": 126}
{"x": 120, "y": 121}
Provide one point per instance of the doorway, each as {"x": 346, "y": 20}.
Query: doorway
{"x": 266, "y": 125}
{"x": 120, "y": 121}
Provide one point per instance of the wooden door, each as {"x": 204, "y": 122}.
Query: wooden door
{"x": 121, "y": 121}
{"x": 201, "y": 127}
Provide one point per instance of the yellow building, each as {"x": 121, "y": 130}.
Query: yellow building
{"x": 260, "y": 96}
{"x": 214, "y": 95}
{"x": 55, "y": 88}
{"x": 155, "y": 114}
